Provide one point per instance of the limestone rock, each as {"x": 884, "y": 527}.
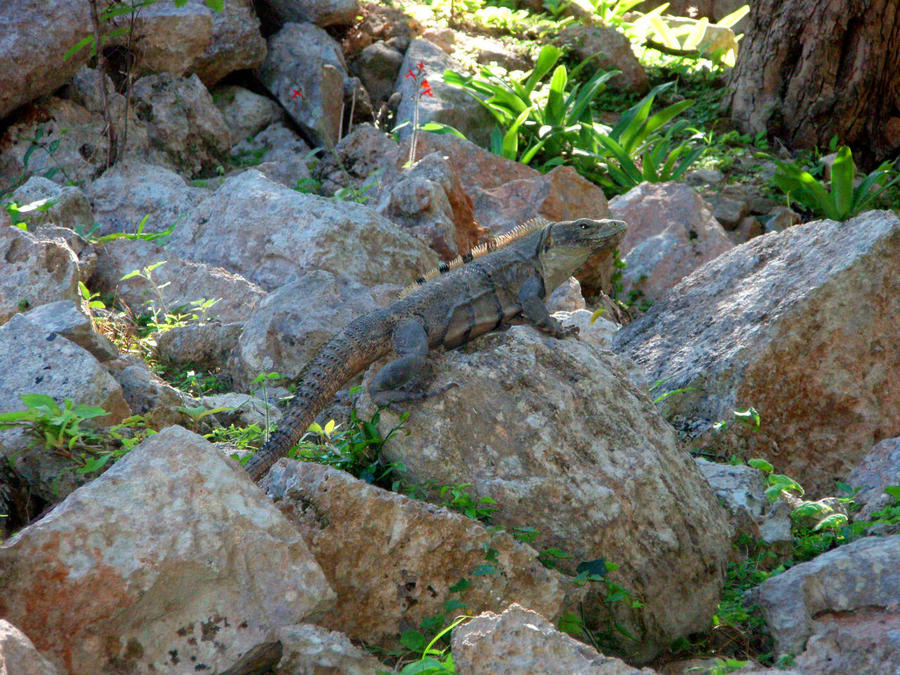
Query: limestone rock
{"x": 35, "y": 270}
{"x": 305, "y": 71}
{"x": 182, "y": 122}
{"x": 169, "y": 561}
{"x": 428, "y": 199}
{"x": 71, "y": 140}
{"x": 522, "y": 642}
{"x": 741, "y": 490}
{"x": 449, "y": 105}
{"x": 801, "y": 325}
{"x": 671, "y": 231}
{"x": 206, "y": 345}
{"x": 69, "y": 207}
{"x": 265, "y": 232}
{"x": 407, "y": 554}
{"x": 67, "y": 319}
{"x": 798, "y": 603}
{"x": 879, "y": 469}
{"x": 149, "y": 395}
{"x": 133, "y": 189}
{"x": 293, "y": 322}
{"x": 610, "y": 50}
{"x": 176, "y": 283}
{"x": 18, "y": 655}
{"x": 322, "y": 13}
{"x": 555, "y": 432}
{"x": 377, "y": 67}
{"x": 35, "y": 35}
{"x": 281, "y": 155}
{"x": 195, "y": 39}
{"x": 307, "y": 648}
{"x": 246, "y": 113}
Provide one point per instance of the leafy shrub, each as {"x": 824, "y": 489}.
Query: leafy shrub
{"x": 843, "y": 200}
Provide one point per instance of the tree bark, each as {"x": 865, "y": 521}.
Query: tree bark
{"x": 810, "y": 69}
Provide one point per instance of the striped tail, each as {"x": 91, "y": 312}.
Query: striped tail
{"x": 361, "y": 343}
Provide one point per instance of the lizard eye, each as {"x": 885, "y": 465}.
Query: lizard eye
{"x": 583, "y": 225}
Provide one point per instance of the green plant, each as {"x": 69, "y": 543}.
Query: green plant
{"x": 457, "y": 497}
{"x": 159, "y": 237}
{"x": 638, "y": 134}
{"x": 60, "y": 429}
{"x": 843, "y": 200}
{"x": 531, "y": 118}
{"x": 434, "y": 661}
{"x": 355, "y": 449}
{"x": 603, "y": 639}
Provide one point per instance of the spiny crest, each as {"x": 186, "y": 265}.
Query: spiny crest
{"x": 519, "y": 231}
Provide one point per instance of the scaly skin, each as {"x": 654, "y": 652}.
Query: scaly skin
{"x": 468, "y": 301}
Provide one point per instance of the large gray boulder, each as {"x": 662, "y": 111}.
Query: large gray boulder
{"x": 802, "y": 325}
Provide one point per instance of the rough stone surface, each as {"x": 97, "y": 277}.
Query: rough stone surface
{"x": 308, "y": 649}
{"x": 522, "y": 642}
{"x": 69, "y": 205}
{"x": 728, "y": 210}
{"x": 863, "y": 641}
{"x": 35, "y": 33}
{"x": 72, "y": 146}
{"x": 170, "y": 560}
{"x": 322, "y": 13}
{"x": 428, "y": 199}
{"x": 18, "y": 655}
{"x": 132, "y": 189}
{"x": 36, "y": 360}
{"x": 304, "y": 59}
{"x": 243, "y": 409}
{"x": 877, "y": 470}
{"x": 246, "y": 113}
{"x": 265, "y": 232}
{"x": 560, "y": 194}
{"x": 35, "y": 271}
{"x": 206, "y": 345}
{"x": 193, "y": 38}
{"x": 610, "y": 50}
{"x": 407, "y": 554}
{"x": 801, "y": 325}
{"x": 555, "y": 432}
{"x": 741, "y": 490}
{"x": 149, "y": 395}
{"x": 671, "y": 231}
{"x": 282, "y": 155}
{"x": 185, "y": 281}
{"x": 67, "y": 318}
{"x": 182, "y": 122}
{"x": 293, "y": 322}
{"x": 377, "y": 67}
{"x": 859, "y": 575}
{"x": 449, "y": 105}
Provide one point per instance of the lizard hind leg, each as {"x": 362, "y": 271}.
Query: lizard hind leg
{"x": 411, "y": 345}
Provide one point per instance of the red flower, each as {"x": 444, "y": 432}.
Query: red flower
{"x": 296, "y": 93}
{"x": 421, "y": 66}
{"x": 410, "y": 74}
{"x": 426, "y": 88}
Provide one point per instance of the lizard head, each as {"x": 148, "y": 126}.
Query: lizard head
{"x": 567, "y": 245}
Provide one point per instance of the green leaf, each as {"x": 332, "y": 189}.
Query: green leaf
{"x": 893, "y": 491}
{"x": 761, "y": 464}
{"x": 216, "y": 5}
{"x": 696, "y": 34}
{"x": 730, "y": 19}
{"x": 547, "y": 58}
{"x": 571, "y": 623}
{"x": 597, "y": 567}
{"x": 832, "y": 522}
{"x": 413, "y": 640}
{"x": 78, "y": 46}
{"x": 556, "y": 108}
{"x": 843, "y": 172}
{"x": 773, "y": 493}
{"x": 40, "y": 402}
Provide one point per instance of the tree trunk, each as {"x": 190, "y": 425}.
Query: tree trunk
{"x": 810, "y": 69}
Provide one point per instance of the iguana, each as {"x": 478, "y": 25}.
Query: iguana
{"x": 461, "y": 300}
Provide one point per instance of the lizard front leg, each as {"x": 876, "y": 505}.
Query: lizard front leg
{"x": 534, "y": 309}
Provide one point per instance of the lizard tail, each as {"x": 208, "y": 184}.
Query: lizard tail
{"x": 361, "y": 343}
